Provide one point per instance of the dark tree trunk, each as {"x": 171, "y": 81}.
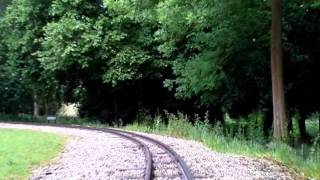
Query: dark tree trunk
{"x": 279, "y": 110}
{"x": 36, "y": 106}
{"x": 302, "y": 126}
{"x": 216, "y": 115}
{"x": 268, "y": 117}
{"x": 116, "y": 111}
{"x": 46, "y": 108}
{"x": 290, "y": 124}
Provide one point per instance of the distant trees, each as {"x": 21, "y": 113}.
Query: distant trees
{"x": 21, "y": 32}
{"x": 14, "y": 96}
{"x": 301, "y": 39}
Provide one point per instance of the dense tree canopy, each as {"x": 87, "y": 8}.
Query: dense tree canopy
{"x": 115, "y": 57}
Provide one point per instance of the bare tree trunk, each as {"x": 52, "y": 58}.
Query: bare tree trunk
{"x": 279, "y": 109}
{"x": 46, "y": 107}
{"x": 36, "y": 107}
{"x": 319, "y": 123}
{"x": 302, "y": 126}
{"x": 116, "y": 111}
{"x": 290, "y": 123}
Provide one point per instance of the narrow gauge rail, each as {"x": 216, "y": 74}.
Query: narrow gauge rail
{"x": 185, "y": 171}
{"x": 142, "y": 145}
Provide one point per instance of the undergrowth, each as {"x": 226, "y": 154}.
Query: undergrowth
{"x": 242, "y": 136}
{"x": 237, "y": 137}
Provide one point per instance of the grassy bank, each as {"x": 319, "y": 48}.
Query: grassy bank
{"x": 22, "y": 150}
{"x": 242, "y": 136}
{"x": 237, "y": 138}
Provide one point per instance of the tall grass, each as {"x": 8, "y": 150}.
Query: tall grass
{"x": 243, "y": 136}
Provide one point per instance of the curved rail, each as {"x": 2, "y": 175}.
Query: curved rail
{"x": 144, "y": 147}
{"x": 181, "y": 164}
{"x": 184, "y": 169}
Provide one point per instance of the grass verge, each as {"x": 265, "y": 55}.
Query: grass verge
{"x": 242, "y": 136}
{"x": 22, "y": 150}
{"x": 303, "y": 159}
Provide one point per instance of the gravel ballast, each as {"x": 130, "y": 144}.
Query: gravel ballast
{"x": 98, "y": 155}
{"x": 90, "y": 155}
{"x": 206, "y": 164}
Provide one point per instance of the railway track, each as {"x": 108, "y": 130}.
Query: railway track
{"x": 141, "y": 145}
{"x": 184, "y": 171}
{"x": 161, "y": 158}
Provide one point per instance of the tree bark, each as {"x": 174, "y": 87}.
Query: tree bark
{"x": 36, "y": 107}
{"x": 302, "y": 127}
{"x": 279, "y": 109}
{"x": 290, "y": 123}
{"x": 267, "y": 125}
{"x": 46, "y": 108}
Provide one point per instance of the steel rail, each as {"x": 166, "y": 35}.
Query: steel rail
{"x": 142, "y": 145}
{"x": 184, "y": 169}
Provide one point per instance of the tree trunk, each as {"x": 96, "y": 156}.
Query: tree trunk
{"x": 290, "y": 123}
{"x": 216, "y": 115}
{"x": 267, "y": 121}
{"x": 36, "y": 107}
{"x": 46, "y": 108}
{"x": 279, "y": 110}
{"x": 302, "y": 128}
{"x": 116, "y": 111}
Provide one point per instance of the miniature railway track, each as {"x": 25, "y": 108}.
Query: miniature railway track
{"x": 184, "y": 173}
{"x": 184, "y": 170}
{"x": 142, "y": 145}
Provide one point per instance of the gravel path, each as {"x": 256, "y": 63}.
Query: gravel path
{"x": 206, "y": 164}
{"x": 90, "y": 155}
{"x": 95, "y": 155}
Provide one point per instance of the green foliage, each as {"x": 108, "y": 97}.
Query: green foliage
{"x": 211, "y": 54}
{"x": 312, "y": 124}
{"x": 15, "y": 98}
{"x": 3, "y": 6}
{"x": 180, "y": 121}
{"x": 106, "y": 42}
{"x": 21, "y": 29}
{"x": 246, "y": 128}
{"x": 125, "y": 66}
{"x": 14, "y": 93}
{"x": 216, "y": 44}
{"x": 72, "y": 41}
